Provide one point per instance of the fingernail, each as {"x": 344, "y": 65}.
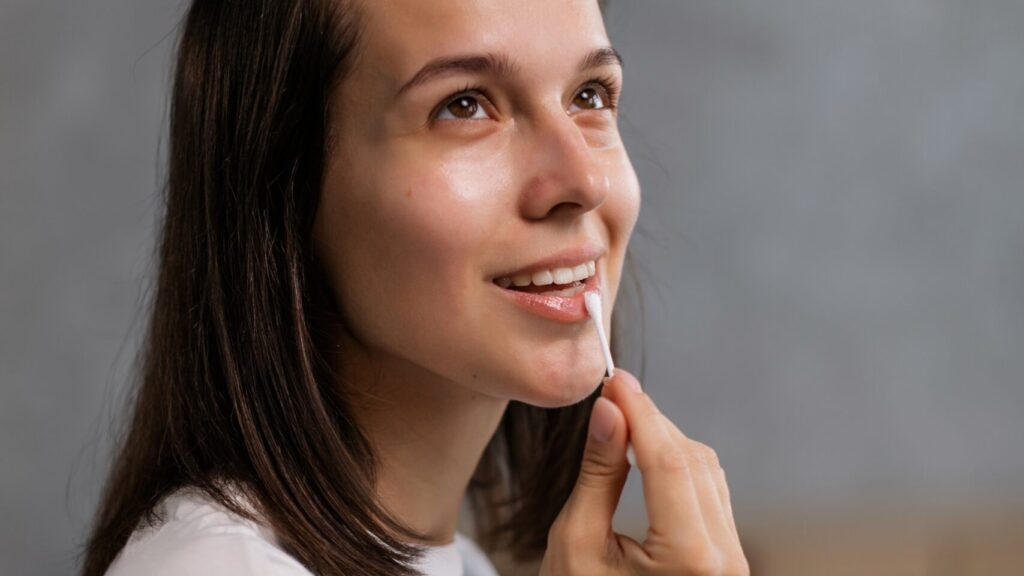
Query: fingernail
{"x": 634, "y": 385}
{"x": 602, "y": 420}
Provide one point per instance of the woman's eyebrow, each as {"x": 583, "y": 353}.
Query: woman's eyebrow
{"x": 599, "y": 57}
{"x": 497, "y": 65}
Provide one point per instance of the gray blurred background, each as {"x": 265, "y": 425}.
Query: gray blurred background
{"x": 831, "y": 247}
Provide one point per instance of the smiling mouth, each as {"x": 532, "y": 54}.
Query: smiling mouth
{"x": 553, "y": 294}
{"x": 553, "y": 282}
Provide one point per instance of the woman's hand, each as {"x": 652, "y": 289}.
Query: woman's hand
{"x": 692, "y": 530}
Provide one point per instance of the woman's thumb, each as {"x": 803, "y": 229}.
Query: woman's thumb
{"x": 602, "y": 473}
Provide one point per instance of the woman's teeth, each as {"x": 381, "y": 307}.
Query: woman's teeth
{"x": 558, "y": 276}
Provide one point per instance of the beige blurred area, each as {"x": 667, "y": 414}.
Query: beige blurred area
{"x": 861, "y": 542}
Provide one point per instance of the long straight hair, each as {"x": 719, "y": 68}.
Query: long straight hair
{"x": 234, "y": 392}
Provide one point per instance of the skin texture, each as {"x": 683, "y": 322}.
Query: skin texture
{"x": 431, "y": 193}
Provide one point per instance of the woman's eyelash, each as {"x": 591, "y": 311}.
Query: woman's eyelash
{"x": 610, "y": 86}
{"x": 468, "y": 90}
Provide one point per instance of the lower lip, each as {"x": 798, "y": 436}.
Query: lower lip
{"x": 568, "y": 309}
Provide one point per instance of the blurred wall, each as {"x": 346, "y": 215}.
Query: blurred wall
{"x": 831, "y": 246}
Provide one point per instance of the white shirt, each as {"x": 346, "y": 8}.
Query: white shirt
{"x": 198, "y": 537}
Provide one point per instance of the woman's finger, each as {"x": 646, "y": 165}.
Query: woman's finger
{"x": 713, "y": 494}
{"x": 584, "y": 525}
{"x": 723, "y": 494}
{"x": 704, "y": 467}
{"x": 673, "y": 508}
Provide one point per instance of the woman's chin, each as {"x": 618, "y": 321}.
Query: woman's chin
{"x": 555, "y": 389}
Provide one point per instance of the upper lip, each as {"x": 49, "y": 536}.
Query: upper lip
{"x": 565, "y": 259}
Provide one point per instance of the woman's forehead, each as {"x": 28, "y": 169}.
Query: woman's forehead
{"x": 399, "y": 37}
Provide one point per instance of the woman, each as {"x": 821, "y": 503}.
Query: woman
{"x": 362, "y": 307}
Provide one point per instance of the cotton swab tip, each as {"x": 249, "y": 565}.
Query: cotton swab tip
{"x": 592, "y": 301}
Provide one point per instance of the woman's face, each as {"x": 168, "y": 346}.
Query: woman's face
{"x": 476, "y": 143}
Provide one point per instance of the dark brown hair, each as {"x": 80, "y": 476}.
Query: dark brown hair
{"x": 234, "y": 389}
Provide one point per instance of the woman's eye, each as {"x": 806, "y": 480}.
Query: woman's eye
{"x": 590, "y": 98}
{"x": 464, "y": 107}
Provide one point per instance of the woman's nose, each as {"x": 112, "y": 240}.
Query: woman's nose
{"x": 564, "y": 175}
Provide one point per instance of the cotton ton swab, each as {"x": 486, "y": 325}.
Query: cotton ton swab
{"x": 592, "y": 301}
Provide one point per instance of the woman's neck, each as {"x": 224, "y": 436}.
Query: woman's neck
{"x": 429, "y": 434}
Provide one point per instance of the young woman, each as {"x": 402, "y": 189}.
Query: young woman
{"x": 381, "y": 219}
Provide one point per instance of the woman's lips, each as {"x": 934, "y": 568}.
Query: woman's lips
{"x": 566, "y": 309}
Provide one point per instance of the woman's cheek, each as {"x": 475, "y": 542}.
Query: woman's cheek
{"x": 625, "y": 199}
{"x": 451, "y": 206}
{"x": 435, "y": 225}
{"x": 619, "y": 214}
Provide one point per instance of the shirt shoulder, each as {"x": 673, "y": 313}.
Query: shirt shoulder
{"x": 475, "y": 562}
{"x": 197, "y": 537}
